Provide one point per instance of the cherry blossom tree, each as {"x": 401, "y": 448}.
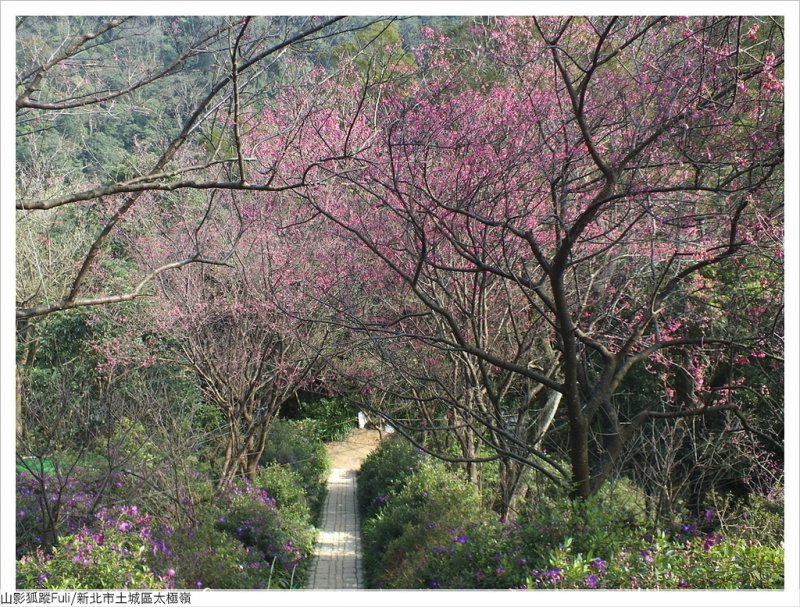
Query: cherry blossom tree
{"x": 112, "y": 112}
{"x": 437, "y": 395}
{"x": 245, "y": 326}
{"x": 611, "y": 173}
{"x": 514, "y": 224}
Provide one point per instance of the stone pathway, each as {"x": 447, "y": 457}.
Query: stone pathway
{"x": 338, "y": 553}
{"x": 337, "y": 562}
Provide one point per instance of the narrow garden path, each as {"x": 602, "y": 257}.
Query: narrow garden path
{"x": 337, "y": 556}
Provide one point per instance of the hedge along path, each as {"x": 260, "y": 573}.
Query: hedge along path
{"x": 337, "y": 556}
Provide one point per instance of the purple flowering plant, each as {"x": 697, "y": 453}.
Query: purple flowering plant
{"x": 116, "y": 552}
{"x": 251, "y": 515}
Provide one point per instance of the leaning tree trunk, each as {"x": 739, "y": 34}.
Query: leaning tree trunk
{"x": 466, "y": 438}
{"x": 233, "y": 450}
{"x": 26, "y": 345}
{"x": 510, "y": 474}
{"x": 20, "y": 410}
{"x": 577, "y": 421}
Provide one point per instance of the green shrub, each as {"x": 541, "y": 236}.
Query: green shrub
{"x": 704, "y": 562}
{"x": 250, "y": 515}
{"x": 456, "y": 554}
{"x": 428, "y": 511}
{"x": 759, "y": 518}
{"x": 293, "y": 443}
{"x": 613, "y": 518}
{"x": 285, "y": 486}
{"x": 335, "y": 417}
{"x": 736, "y": 564}
{"x": 704, "y": 553}
{"x": 205, "y": 557}
{"x": 430, "y": 531}
{"x": 385, "y": 472}
{"x": 612, "y": 525}
{"x": 119, "y": 554}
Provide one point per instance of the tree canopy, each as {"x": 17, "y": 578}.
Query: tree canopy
{"x": 528, "y": 240}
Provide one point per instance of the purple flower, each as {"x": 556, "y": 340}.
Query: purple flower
{"x": 198, "y": 584}
{"x": 124, "y": 526}
{"x": 712, "y": 539}
{"x": 499, "y": 571}
{"x": 434, "y": 584}
{"x": 599, "y": 565}
{"x": 42, "y": 578}
{"x": 689, "y": 528}
{"x": 647, "y": 555}
{"x": 683, "y": 583}
{"x": 21, "y": 513}
{"x": 554, "y": 574}
{"x": 591, "y": 581}
{"x": 709, "y": 515}
{"x": 160, "y": 546}
{"x": 170, "y": 573}
{"x": 461, "y": 539}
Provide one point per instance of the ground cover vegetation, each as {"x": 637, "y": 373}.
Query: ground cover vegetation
{"x": 427, "y": 526}
{"x": 547, "y": 251}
